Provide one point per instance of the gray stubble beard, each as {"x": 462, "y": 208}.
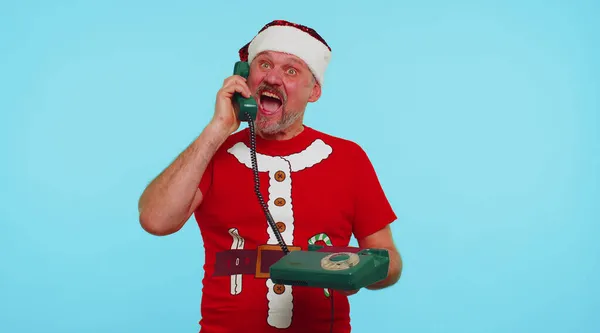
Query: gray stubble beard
{"x": 286, "y": 121}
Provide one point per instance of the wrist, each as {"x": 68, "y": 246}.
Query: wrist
{"x": 216, "y": 132}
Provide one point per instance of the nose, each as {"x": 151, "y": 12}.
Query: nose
{"x": 273, "y": 77}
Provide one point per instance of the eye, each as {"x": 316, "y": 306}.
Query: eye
{"x": 264, "y": 65}
{"x": 292, "y": 71}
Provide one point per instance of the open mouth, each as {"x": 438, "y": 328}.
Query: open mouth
{"x": 270, "y": 102}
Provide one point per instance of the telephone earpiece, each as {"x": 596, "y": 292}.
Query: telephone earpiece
{"x": 247, "y": 108}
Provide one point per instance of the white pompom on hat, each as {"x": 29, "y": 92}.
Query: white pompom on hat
{"x": 291, "y": 38}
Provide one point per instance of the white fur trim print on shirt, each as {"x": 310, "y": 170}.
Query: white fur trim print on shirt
{"x": 280, "y": 169}
{"x": 280, "y": 199}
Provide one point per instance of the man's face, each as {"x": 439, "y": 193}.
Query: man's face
{"x": 283, "y": 85}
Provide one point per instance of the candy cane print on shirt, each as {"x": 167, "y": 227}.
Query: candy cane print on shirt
{"x": 237, "y": 244}
{"x": 280, "y": 169}
{"x": 321, "y": 237}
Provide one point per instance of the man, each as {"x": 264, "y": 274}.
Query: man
{"x": 319, "y": 189}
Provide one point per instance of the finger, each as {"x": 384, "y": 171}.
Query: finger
{"x": 243, "y": 89}
{"x": 236, "y": 80}
{"x": 234, "y": 87}
{"x": 233, "y": 79}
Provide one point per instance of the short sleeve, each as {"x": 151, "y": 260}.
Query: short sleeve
{"x": 372, "y": 209}
{"x": 206, "y": 179}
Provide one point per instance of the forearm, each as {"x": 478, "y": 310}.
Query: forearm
{"x": 394, "y": 271}
{"x": 167, "y": 202}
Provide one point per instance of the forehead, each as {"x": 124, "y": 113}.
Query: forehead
{"x": 281, "y": 58}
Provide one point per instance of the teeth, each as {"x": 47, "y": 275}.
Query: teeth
{"x": 266, "y": 93}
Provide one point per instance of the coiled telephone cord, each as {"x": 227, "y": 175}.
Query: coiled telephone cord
{"x": 264, "y": 205}
{"x": 257, "y": 186}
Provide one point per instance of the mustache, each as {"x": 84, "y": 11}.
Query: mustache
{"x": 265, "y": 87}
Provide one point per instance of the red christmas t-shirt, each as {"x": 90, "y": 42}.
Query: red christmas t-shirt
{"x": 320, "y": 189}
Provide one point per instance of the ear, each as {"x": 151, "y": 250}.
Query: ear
{"x": 315, "y": 93}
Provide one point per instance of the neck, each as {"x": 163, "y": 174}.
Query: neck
{"x": 285, "y": 134}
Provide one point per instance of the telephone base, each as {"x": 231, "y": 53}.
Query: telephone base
{"x": 329, "y": 267}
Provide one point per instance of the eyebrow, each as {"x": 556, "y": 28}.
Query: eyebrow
{"x": 289, "y": 60}
{"x": 296, "y": 61}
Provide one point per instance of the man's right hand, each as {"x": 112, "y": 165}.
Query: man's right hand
{"x": 225, "y": 117}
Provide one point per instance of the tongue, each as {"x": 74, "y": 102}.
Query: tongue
{"x": 270, "y": 104}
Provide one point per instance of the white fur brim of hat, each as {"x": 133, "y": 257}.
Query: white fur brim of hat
{"x": 291, "y": 40}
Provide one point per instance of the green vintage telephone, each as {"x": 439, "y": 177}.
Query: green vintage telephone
{"x": 321, "y": 267}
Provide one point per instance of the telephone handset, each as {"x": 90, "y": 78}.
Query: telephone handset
{"x": 247, "y": 108}
{"x": 246, "y": 111}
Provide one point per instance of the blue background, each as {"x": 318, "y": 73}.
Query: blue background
{"x": 481, "y": 118}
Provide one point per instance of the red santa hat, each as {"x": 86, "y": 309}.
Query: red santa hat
{"x": 291, "y": 38}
